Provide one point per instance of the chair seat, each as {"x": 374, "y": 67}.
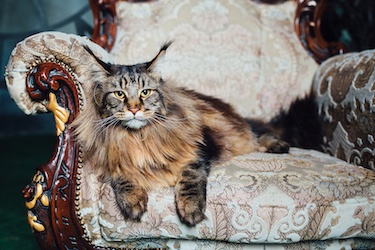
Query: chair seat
{"x": 259, "y": 198}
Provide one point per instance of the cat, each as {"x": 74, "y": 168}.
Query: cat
{"x": 141, "y": 132}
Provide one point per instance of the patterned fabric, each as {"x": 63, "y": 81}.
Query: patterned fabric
{"x": 241, "y": 51}
{"x": 257, "y": 198}
{"x": 345, "y": 93}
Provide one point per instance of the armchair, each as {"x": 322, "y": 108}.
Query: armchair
{"x": 247, "y": 53}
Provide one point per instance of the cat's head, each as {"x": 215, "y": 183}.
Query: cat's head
{"x": 132, "y": 96}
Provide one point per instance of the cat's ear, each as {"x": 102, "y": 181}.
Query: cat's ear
{"x": 105, "y": 66}
{"x": 150, "y": 66}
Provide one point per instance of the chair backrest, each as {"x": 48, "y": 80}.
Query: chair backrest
{"x": 241, "y": 51}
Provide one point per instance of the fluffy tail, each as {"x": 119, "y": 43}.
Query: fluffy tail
{"x": 301, "y": 125}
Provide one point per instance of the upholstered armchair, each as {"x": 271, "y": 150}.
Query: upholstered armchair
{"x": 257, "y": 55}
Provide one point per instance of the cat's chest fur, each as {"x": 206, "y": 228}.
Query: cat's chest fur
{"x": 153, "y": 157}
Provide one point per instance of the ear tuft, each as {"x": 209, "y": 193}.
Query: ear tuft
{"x": 105, "y": 66}
{"x": 159, "y": 57}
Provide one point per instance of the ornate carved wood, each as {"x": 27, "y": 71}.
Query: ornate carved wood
{"x": 105, "y": 22}
{"x": 308, "y": 23}
{"x": 52, "y": 198}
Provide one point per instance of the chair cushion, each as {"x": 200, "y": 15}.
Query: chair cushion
{"x": 258, "y": 198}
{"x": 241, "y": 51}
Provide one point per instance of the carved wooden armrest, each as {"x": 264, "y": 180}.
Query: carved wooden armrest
{"x": 46, "y": 74}
{"x": 308, "y": 23}
{"x": 345, "y": 95}
{"x": 52, "y": 198}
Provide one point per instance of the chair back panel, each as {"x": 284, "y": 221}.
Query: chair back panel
{"x": 241, "y": 51}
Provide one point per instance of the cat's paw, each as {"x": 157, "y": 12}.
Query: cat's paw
{"x": 133, "y": 204}
{"x": 190, "y": 211}
{"x": 274, "y": 145}
{"x": 279, "y": 147}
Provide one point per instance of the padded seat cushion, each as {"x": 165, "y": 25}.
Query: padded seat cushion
{"x": 257, "y": 198}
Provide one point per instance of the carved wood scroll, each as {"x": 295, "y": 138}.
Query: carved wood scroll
{"x": 308, "y": 23}
{"x": 105, "y": 22}
{"x": 53, "y": 196}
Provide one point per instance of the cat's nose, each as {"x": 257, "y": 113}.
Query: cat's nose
{"x": 134, "y": 110}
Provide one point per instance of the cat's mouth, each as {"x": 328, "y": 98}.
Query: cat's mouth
{"x": 134, "y": 123}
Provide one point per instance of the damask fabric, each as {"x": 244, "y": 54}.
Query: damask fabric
{"x": 345, "y": 87}
{"x": 258, "y": 198}
{"x": 243, "y": 52}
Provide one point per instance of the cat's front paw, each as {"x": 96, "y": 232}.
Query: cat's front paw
{"x": 133, "y": 204}
{"x": 190, "y": 211}
{"x": 274, "y": 145}
{"x": 279, "y": 146}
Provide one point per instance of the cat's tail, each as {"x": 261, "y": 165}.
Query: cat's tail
{"x": 300, "y": 125}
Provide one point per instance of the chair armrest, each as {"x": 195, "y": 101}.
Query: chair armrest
{"x": 345, "y": 91}
{"x": 47, "y": 73}
{"x": 48, "y": 47}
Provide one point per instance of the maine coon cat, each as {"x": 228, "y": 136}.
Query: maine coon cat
{"x": 141, "y": 132}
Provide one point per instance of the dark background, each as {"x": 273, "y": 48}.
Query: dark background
{"x": 20, "y": 19}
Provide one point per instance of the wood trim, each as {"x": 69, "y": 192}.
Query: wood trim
{"x": 308, "y": 23}
{"x": 54, "y": 211}
{"x": 105, "y": 22}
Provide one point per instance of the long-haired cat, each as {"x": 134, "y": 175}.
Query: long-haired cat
{"x": 141, "y": 132}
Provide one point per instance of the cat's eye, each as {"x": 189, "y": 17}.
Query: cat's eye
{"x": 119, "y": 94}
{"x": 145, "y": 93}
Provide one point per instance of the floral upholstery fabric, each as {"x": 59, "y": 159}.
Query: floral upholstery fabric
{"x": 257, "y": 198}
{"x": 241, "y": 51}
{"x": 345, "y": 90}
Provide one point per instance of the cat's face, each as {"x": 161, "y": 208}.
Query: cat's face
{"x": 131, "y": 96}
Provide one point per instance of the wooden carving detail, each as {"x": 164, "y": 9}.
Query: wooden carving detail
{"x": 308, "y": 23}
{"x": 53, "y": 196}
{"x": 105, "y": 22}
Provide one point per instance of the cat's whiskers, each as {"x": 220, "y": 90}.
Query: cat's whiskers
{"x": 170, "y": 121}
{"x": 113, "y": 124}
{"x": 152, "y": 123}
{"x": 103, "y": 125}
{"x": 100, "y": 124}
{"x": 156, "y": 120}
